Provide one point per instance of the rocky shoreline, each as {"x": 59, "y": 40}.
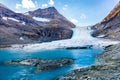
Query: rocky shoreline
{"x": 107, "y": 67}
{"x": 40, "y": 64}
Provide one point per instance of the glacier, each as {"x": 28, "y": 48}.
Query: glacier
{"x": 81, "y": 38}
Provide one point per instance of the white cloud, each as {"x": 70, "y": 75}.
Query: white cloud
{"x": 51, "y": 2}
{"x": 18, "y": 6}
{"x": 44, "y": 5}
{"x": 75, "y": 21}
{"x": 26, "y": 4}
{"x": 18, "y": 11}
{"x": 65, "y": 7}
{"x": 83, "y": 16}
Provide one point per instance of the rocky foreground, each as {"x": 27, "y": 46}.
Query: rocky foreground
{"x": 107, "y": 67}
{"x": 40, "y": 64}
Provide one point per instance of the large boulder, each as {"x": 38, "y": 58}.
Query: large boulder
{"x": 41, "y": 64}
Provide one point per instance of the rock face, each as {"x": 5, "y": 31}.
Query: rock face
{"x": 107, "y": 67}
{"x": 110, "y": 26}
{"x": 34, "y": 26}
{"x": 110, "y": 54}
{"x": 51, "y": 13}
{"x": 41, "y": 64}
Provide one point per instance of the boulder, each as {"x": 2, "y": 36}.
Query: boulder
{"x": 41, "y": 64}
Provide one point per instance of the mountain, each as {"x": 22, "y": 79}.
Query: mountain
{"x": 52, "y": 14}
{"x": 33, "y": 26}
{"x": 109, "y": 27}
{"x": 2, "y": 5}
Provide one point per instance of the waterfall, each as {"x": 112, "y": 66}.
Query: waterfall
{"x": 81, "y": 33}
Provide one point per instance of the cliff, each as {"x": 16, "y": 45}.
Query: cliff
{"x": 109, "y": 27}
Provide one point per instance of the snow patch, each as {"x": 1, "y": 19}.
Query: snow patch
{"x": 41, "y": 19}
{"x": 13, "y": 19}
{"x": 21, "y": 38}
{"x": 10, "y": 18}
{"x": 5, "y": 18}
{"x": 23, "y": 23}
{"x": 26, "y": 13}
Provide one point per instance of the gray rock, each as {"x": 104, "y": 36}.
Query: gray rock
{"x": 41, "y": 64}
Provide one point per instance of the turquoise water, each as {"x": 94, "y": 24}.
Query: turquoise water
{"x": 83, "y": 57}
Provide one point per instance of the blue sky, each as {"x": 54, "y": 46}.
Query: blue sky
{"x": 81, "y": 12}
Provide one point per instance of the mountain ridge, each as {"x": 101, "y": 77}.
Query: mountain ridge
{"x": 113, "y": 13}
{"x": 18, "y": 28}
{"x": 51, "y": 13}
{"x": 109, "y": 27}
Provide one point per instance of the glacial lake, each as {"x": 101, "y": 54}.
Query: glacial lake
{"x": 83, "y": 58}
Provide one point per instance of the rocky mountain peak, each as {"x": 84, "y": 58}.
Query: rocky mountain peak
{"x": 49, "y": 12}
{"x": 113, "y": 13}
{"x": 49, "y": 9}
